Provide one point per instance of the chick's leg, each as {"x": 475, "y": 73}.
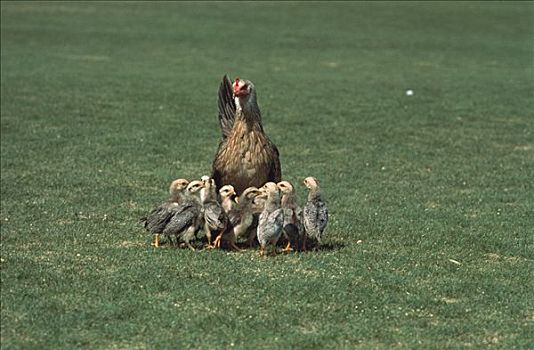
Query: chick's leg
{"x": 219, "y": 238}
{"x": 274, "y": 252}
{"x": 251, "y": 238}
{"x": 156, "y": 240}
{"x": 288, "y": 248}
{"x": 217, "y": 242}
{"x": 190, "y": 233}
{"x": 232, "y": 242}
{"x": 208, "y": 235}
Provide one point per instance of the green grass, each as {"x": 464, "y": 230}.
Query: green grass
{"x": 103, "y": 104}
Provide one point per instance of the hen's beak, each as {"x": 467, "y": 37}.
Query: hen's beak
{"x": 240, "y": 92}
{"x": 240, "y": 88}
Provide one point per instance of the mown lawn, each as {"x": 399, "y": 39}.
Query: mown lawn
{"x": 430, "y": 240}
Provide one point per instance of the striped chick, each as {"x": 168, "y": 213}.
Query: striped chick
{"x": 271, "y": 219}
{"x": 292, "y": 225}
{"x": 187, "y": 217}
{"x": 160, "y": 216}
{"x": 215, "y": 218}
{"x": 315, "y": 212}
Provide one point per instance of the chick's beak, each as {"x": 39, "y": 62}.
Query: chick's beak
{"x": 262, "y": 193}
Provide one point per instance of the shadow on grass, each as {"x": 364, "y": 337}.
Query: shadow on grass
{"x": 333, "y": 246}
{"x": 201, "y": 245}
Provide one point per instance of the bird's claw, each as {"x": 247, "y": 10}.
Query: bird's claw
{"x": 156, "y": 241}
{"x": 235, "y": 247}
{"x": 287, "y": 249}
{"x": 217, "y": 241}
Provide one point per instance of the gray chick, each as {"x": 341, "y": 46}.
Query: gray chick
{"x": 187, "y": 217}
{"x": 228, "y": 195}
{"x": 242, "y": 216}
{"x": 215, "y": 219}
{"x": 271, "y": 219}
{"x": 292, "y": 212}
{"x": 315, "y": 212}
{"x": 159, "y": 217}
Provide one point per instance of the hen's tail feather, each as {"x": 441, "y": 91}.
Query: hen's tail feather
{"x": 226, "y": 106}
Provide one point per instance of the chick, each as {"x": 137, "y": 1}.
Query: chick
{"x": 292, "y": 224}
{"x": 258, "y": 204}
{"x": 271, "y": 219}
{"x": 256, "y": 207}
{"x": 227, "y": 194}
{"x": 315, "y": 212}
{"x": 214, "y": 215}
{"x": 241, "y": 217}
{"x": 187, "y": 216}
{"x": 159, "y": 217}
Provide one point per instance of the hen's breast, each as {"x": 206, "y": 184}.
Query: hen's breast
{"x": 244, "y": 160}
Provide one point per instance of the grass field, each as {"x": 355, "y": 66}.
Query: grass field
{"x": 430, "y": 240}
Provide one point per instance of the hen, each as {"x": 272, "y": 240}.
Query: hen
{"x": 245, "y": 156}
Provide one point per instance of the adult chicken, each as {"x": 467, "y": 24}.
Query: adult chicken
{"x": 245, "y": 157}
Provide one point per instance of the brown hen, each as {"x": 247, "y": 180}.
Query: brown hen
{"x": 245, "y": 157}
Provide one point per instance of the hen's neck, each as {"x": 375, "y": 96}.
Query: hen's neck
{"x": 248, "y": 110}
